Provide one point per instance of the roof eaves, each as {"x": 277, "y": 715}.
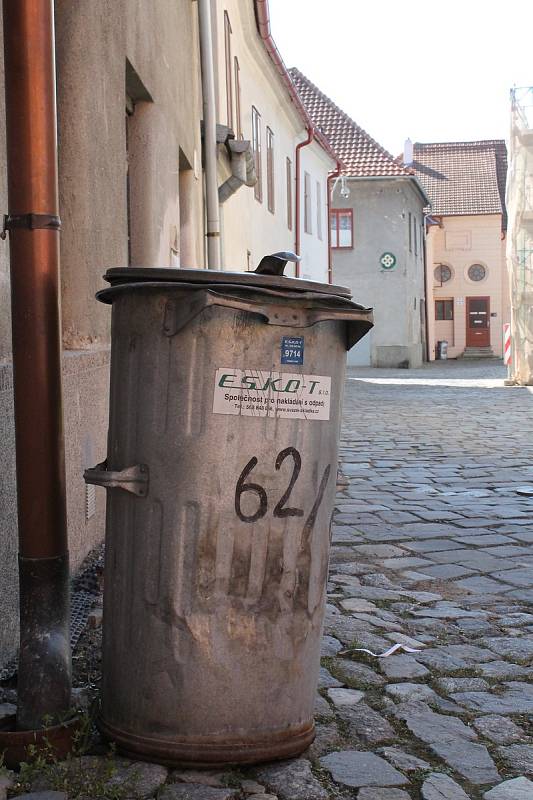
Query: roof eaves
{"x": 262, "y": 18}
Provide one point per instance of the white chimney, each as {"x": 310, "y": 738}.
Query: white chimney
{"x": 408, "y": 152}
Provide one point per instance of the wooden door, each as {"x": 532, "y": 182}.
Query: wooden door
{"x": 477, "y": 322}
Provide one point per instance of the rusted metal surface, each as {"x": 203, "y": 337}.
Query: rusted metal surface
{"x": 19, "y": 746}
{"x": 34, "y": 255}
{"x": 215, "y": 580}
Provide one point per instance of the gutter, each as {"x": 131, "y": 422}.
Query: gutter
{"x": 242, "y": 169}
{"x": 331, "y": 175}
{"x": 210, "y": 135}
{"x": 44, "y": 671}
{"x": 263, "y": 26}
{"x": 298, "y": 225}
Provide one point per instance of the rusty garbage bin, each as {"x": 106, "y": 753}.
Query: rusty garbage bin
{"x": 225, "y": 408}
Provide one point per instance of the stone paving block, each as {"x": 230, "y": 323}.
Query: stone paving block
{"x": 366, "y": 725}
{"x": 378, "y": 550}
{"x": 432, "y": 545}
{"x": 516, "y": 577}
{"x": 322, "y": 708}
{"x": 358, "y": 768}
{"x": 498, "y": 729}
{"x": 344, "y": 697}
{"x": 410, "y": 691}
{"x": 195, "y": 791}
{"x": 326, "y": 679}
{"x": 448, "y": 571}
{"x": 402, "y": 667}
{"x": 469, "y": 759}
{"x": 483, "y": 540}
{"x": 439, "y": 786}
{"x": 517, "y": 649}
{"x": 403, "y": 761}
{"x": 515, "y": 789}
{"x": 405, "y": 563}
{"x": 292, "y": 780}
{"x": 448, "y": 611}
{"x": 449, "y": 685}
{"x": 330, "y": 646}
{"x": 382, "y": 794}
{"x": 501, "y": 669}
{"x": 519, "y": 757}
{"x": 327, "y": 738}
{"x": 480, "y": 583}
{"x": 516, "y": 698}
{"x": 355, "y": 674}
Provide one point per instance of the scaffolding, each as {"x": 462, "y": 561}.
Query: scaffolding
{"x": 520, "y": 235}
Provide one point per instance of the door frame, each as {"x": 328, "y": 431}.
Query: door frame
{"x": 467, "y": 319}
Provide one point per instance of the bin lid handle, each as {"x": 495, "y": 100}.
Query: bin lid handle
{"x": 275, "y": 263}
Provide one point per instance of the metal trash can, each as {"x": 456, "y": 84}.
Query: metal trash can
{"x": 225, "y": 407}
{"x": 442, "y": 350}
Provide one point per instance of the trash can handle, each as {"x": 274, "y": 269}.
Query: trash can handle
{"x": 275, "y": 263}
{"x": 178, "y": 314}
{"x": 132, "y": 479}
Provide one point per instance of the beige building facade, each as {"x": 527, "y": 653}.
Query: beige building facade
{"x": 466, "y": 276}
{"x": 130, "y": 185}
{"x": 468, "y": 285}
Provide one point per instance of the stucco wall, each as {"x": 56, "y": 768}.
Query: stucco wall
{"x": 94, "y": 42}
{"x": 249, "y": 229}
{"x": 459, "y": 243}
{"x": 381, "y": 218}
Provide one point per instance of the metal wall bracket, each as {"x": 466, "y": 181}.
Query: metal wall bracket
{"x": 31, "y": 222}
{"x": 132, "y": 479}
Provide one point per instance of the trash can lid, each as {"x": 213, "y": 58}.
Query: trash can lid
{"x": 121, "y": 275}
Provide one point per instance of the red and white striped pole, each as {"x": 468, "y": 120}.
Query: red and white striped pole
{"x": 507, "y": 343}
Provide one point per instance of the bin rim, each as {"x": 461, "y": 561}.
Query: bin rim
{"x": 204, "y": 277}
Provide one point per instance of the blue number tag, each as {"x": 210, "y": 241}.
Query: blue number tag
{"x": 292, "y": 350}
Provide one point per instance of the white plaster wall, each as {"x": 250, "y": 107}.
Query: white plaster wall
{"x": 314, "y": 250}
{"x": 248, "y": 229}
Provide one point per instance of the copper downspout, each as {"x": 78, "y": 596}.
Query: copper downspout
{"x": 44, "y": 676}
{"x": 298, "y": 225}
{"x": 334, "y": 174}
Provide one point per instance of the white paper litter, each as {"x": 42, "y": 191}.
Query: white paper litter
{"x": 386, "y": 654}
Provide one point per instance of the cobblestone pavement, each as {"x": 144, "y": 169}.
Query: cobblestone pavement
{"x": 432, "y": 549}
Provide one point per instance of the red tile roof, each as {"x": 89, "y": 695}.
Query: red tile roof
{"x": 463, "y": 178}
{"x": 359, "y": 153}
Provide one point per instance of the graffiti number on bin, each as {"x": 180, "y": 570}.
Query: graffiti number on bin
{"x": 281, "y": 509}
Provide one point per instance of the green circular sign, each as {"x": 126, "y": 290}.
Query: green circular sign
{"x": 388, "y": 261}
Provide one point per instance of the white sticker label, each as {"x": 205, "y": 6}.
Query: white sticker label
{"x": 259, "y": 393}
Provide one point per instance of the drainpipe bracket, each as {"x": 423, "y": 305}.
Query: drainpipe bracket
{"x": 31, "y": 222}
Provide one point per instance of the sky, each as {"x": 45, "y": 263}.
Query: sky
{"x": 433, "y": 72}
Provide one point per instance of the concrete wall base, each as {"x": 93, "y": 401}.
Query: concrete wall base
{"x": 397, "y": 356}
{"x": 85, "y": 392}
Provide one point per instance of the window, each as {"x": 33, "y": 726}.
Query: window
{"x": 410, "y": 234}
{"x": 341, "y": 224}
{"x": 442, "y": 273}
{"x": 227, "y": 50}
{"x": 319, "y": 210}
{"x": 308, "y": 224}
{"x": 238, "y": 97}
{"x": 443, "y": 309}
{"x": 270, "y": 170}
{"x": 289, "y": 193}
{"x": 256, "y": 147}
{"x": 415, "y": 237}
{"x": 476, "y": 272}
